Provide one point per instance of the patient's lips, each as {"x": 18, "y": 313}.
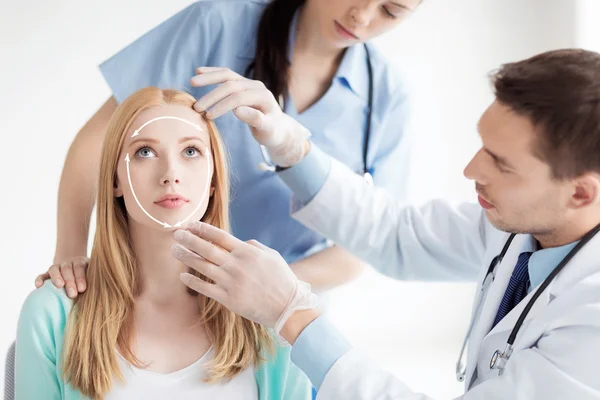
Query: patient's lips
{"x": 171, "y": 201}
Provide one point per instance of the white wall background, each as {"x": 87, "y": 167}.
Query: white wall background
{"x": 50, "y": 86}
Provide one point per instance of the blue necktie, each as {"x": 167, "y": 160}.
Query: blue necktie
{"x": 517, "y": 287}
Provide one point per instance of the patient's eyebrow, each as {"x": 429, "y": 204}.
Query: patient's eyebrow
{"x": 185, "y": 139}
{"x": 152, "y": 140}
{"x": 147, "y": 140}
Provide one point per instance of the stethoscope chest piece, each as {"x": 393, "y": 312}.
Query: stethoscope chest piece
{"x": 494, "y": 359}
{"x": 500, "y": 358}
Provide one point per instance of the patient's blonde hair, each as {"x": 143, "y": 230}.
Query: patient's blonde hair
{"x": 101, "y": 320}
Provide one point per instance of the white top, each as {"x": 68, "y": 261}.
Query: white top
{"x": 183, "y": 384}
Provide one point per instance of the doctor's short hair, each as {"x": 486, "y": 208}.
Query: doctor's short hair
{"x": 559, "y": 91}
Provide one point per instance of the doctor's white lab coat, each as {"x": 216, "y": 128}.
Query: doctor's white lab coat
{"x": 557, "y": 352}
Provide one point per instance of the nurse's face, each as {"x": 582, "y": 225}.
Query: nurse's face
{"x": 169, "y": 170}
{"x": 343, "y": 23}
{"x": 516, "y": 188}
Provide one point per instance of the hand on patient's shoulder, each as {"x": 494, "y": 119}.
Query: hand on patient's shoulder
{"x": 70, "y": 274}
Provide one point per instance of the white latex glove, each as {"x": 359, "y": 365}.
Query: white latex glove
{"x": 251, "y": 279}
{"x": 254, "y": 104}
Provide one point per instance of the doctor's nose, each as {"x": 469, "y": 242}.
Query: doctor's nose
{"x": 473, "y": 170}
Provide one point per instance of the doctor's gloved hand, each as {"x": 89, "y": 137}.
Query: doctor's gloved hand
{"x": 249, "y": 278}
{"x": 254, "y": 104}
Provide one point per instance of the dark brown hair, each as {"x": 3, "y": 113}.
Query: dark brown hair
{"x": 271, "y": 64}
{"x": 559, "y": 91}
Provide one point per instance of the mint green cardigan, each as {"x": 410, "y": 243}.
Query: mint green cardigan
{"x": 40, "y": 335}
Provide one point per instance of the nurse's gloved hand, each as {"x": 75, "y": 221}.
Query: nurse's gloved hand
{"x": 254, "y": 104}
{"x": 249, "y": 278}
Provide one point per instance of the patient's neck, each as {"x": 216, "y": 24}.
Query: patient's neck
{"x": 159, "y": 270}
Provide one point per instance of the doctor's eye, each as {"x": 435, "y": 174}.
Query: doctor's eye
{"x": 144, "y": 152}
{"x": 193, "y": 151}
{"x": 500, "y": 167}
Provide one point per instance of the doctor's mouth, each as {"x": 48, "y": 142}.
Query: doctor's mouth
{"x": 484, "y": 203}
{"x": 482, "y": 198}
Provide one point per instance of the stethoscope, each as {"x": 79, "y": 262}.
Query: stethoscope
{"x": 267, "y": 164}
{"x": 500, "y": 358}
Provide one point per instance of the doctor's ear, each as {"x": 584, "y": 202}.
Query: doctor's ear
{"x": 586, "y": 190}
{"x": 212, "y": 191}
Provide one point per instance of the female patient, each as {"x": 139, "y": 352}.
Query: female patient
{"x": 137, "y": 332}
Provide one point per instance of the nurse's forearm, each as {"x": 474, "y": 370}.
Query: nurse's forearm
{"x": 328, "y": 268}
{"x": 77, "y": 189}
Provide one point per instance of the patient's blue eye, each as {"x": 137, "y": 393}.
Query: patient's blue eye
{"x": 192, "y": 152}
{"x": 145, "y": 152}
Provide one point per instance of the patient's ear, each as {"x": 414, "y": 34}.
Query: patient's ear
{"x": 117, "y": 191}
{"x": 212, "y": 191}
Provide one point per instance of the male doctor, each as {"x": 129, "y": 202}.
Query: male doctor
{"x": 537, "y": 174}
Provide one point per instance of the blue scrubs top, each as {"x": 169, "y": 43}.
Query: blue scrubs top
{"x": 223, "y": 33}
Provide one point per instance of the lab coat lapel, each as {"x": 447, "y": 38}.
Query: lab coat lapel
{"x": 583, "y": 265}
{"x": 492, "y": 302}
{"x": 508, "y": 322}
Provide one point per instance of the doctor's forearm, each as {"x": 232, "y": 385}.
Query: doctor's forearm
{"x": 317, "y": 344}
{"x": 328, "y": 268}
{"x": 296, "y": 323}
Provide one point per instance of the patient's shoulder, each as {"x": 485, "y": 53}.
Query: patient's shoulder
{"x": 46, "y": 305}
{"x": 280, "y": 377}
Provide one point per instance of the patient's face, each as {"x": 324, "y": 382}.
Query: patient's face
{"x": 169, "y": 168}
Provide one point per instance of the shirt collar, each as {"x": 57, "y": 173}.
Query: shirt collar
{"x": 353, "y": 71}
{"x": 292, "y": 34}
{"x": 543, "y": 261}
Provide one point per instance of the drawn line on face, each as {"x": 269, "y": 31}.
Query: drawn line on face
{"x": 128, "y": 160}
{"x": 137, "y": 131}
